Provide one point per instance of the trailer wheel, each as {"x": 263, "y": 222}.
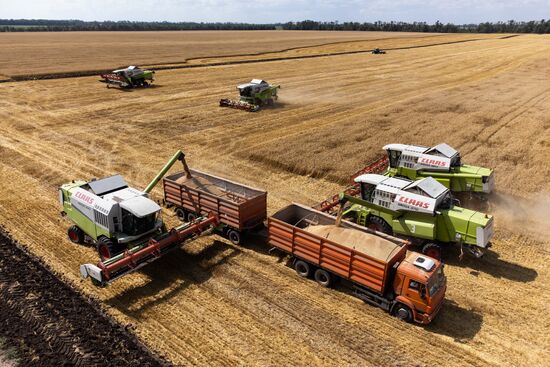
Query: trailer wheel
{"x": 234, "y": 236}
{"x": 403, "y": 312}
{"x": 191, "y": 217}
{"x": 378, "y": 224}
{"x": 302, "y": 269}
{"x": 323, "y": 277}
{"x": 181, "y": 214}
{"x": 76, "y": 235}
{"x": 106, "y": 248}
{"x": 432, "y": 250}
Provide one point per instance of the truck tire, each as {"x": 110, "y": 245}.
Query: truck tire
{"x": 181, "y": 214}
{"x": 234, "y": 236}
{"x": 378, "y": 224}
{"x": 106, "y": 248}
{"x": 432, "y": 250}
{"x": 402, "y": 312}
{"x": 302, "y": 269}
{"x": 323, "y": 277}
{"x": 76, "y": 235}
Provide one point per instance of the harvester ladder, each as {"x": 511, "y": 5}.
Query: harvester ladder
{"x": 362, "y": 218}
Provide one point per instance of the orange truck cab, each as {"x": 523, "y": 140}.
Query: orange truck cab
{"x": 419, "y": 287}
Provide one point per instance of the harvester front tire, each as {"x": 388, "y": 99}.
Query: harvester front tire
{"x": 302, "y": 269}
{"x": 76, "y": 235}
{"x": 106, "y": 248}
{"x": 323, "y": 277}
{"x": 403, "y": 312}
{"x": 432, "y": 250}
{"x": 234, "y": 237}
{"x": 378, "y": 224}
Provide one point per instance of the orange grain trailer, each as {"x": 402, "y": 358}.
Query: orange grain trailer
{"x": 409, "y": 285}
{"x": 238, "y": 207}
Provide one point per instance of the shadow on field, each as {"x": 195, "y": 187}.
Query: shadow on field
{"x": 457, "y": 322}
{"x": 170, "y": 276}
{"x": 490, "y": 264}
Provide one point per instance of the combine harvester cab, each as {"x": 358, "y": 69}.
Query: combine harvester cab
{"x": 253, "y": 96}
{"x": 410, "y": 286}
{"x": 130, "y": 77}
{"x": 441, "y": 162}
{"x": 422, "y": 211}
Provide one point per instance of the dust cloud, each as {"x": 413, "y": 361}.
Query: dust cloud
{"x": 525, "y": 215}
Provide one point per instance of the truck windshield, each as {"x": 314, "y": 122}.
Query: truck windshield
{"x": 132, "y": 225}
{"x": 436, "y": 281}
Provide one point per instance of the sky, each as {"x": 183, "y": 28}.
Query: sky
{"x": 272, "y": 11}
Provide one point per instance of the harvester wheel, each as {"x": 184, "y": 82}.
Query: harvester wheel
{"x": 323, "y": 277}
{"x": 106, "y": 248}
{"x": 432, "y": 250}
{"x": 234, "y": 236}
{"x": 403, "y": 312}
{"x": 302, "y": 269}
{"x": 378, "y": 224}
{"x": 181, "y": 214}
{"x": 76, "y": 235}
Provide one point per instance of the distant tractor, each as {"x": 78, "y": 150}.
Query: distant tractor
{"x": 378, "y": 51}
{"x": 253, "y": 95}
{"x": 441, "y": 162}
{"x": 130, "y": 77}
{"x": 422, "y": 211}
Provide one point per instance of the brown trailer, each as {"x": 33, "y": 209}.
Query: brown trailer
{"x": 238, "y": 207}
{"x": 377, "y": 265}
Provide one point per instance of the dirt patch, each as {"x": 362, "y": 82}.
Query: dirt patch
{"x": 50, "y": 324}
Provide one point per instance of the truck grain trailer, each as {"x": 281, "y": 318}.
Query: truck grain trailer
{"x": 195, "y": 193}
{"x": 410, "y": 286}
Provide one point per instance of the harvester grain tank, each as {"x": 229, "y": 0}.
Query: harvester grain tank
{"x": 410, "y": 286}
{"x": 253, "y": 95}
{"x": 441, "y": 162}
{"x": 422, "y": 211}
{"x": 130, "y": 77}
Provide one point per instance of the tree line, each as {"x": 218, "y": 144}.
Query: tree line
{"x": 42, "y": 25}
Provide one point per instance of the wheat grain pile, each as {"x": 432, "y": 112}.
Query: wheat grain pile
{"x": 366, "y": 243}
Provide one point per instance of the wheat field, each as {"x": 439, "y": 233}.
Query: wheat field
{"x": 213, "y": 303}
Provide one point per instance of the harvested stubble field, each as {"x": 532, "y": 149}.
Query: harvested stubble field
{"x": 213, "y": 303}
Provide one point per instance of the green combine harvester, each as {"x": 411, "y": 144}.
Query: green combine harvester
{"x": 253, "y": 96}
{"x": 422, "y": 211}
{"x": 130, "y": 77}
{"x": 123, "y": 223}
{"x": 441, "y": 162}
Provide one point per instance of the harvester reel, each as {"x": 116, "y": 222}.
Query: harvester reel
{"x": 224, "y": 102}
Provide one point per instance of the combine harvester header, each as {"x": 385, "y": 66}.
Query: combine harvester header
{"x": 140, "y": 255}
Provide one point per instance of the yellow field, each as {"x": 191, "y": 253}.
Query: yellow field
{"x": 52, "y": 52}
{"x": 213, "y": 303}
